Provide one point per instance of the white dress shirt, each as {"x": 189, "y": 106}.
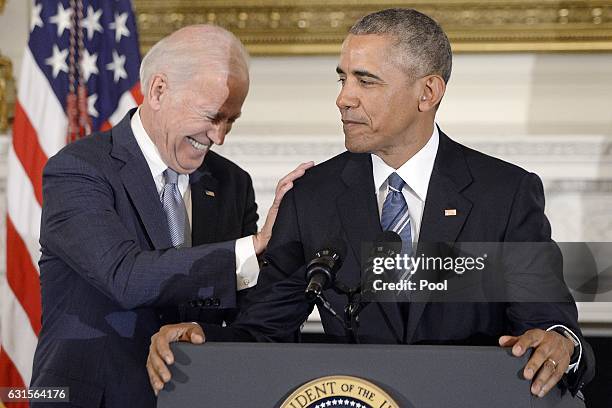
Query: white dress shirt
{"x": 247, "y": 267}
{"x": 416, "y": 172}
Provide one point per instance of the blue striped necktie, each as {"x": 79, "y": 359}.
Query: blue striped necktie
{"x": 173, "y": 204}
{"x": 395, "y": 215}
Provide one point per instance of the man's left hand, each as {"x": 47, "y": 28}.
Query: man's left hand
{"x": 549, "y": 360}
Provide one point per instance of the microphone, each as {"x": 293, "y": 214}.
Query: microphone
{"x": 321, "y": 270}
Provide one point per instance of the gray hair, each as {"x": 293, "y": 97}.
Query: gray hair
{"x": 192, "y": 50}
{"x": 425, "y": 49}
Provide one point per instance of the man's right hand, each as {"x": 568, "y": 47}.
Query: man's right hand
{"x": 261, "y": 239}
{"x": 160, "y": 355}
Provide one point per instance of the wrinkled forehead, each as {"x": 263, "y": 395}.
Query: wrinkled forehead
{"x": 218, "y": 90}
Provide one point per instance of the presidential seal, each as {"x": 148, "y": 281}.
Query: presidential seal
{"x": 339, "y": 391}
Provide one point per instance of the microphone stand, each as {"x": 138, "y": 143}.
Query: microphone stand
{"x": 322, "y": 302}
{"x": 353, "y": 308}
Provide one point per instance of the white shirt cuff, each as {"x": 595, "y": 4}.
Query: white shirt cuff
{"x": 572, "y": 367}
{"x": 247, "y": 267}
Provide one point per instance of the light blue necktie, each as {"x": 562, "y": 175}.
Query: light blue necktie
{"x": 174, "y": 207}
{"x": 395, "y": 215}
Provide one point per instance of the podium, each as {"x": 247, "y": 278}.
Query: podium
{"x": 257, "y": 375}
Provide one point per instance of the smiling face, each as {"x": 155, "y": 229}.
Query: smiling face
{"x": 379, "y": 101}
{"x": 187, "y": 120}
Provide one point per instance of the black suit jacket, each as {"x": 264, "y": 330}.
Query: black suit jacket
{"x": 495, "y": 202}
{"x": 108, "y": 271}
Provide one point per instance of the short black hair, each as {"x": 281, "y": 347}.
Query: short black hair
{"x": 424, "y": 45}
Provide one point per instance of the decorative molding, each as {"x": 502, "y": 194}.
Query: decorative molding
{"x": 580, "y": 186}
{"x": 592, "y": 151}
{"x": 281, "y": 27}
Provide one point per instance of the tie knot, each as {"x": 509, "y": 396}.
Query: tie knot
{"x": 396, "y": 182}
{"x": 171, "y": 176}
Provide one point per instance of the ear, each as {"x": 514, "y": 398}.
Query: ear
{"x": 158, "y": 87}
{"x": 432, "y": 93}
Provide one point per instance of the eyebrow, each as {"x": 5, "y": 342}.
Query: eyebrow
{"x": 220, "y": 115}
{"x": 359, "y": 73}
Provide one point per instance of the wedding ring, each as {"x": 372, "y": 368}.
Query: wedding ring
{"x": 554, "y": 363}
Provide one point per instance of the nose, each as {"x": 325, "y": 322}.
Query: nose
{"x": 346, "y": 98}
{"x": 217, "y": 132}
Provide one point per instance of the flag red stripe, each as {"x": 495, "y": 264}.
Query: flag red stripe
{"x": 105, "y": 126}
{"x": 22, "y": 275}
{"x": 28, "y": 150}
{"x": 9, "y": 377}
{"x": 136, "y": 93}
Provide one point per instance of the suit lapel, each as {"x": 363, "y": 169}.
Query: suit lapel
{"x": 358, "y": 211}
{"x": 139, "y": 183}
{"x": 204, "y": 206}
{"x": 449, "y": 177}
{"x": 357, "y": 203}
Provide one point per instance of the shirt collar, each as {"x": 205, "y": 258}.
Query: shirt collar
{"x": 416, "y": 172}
{"x": 148, "y": 148}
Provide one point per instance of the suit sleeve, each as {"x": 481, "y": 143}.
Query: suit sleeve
{"x": 247, "y": 265}
{"x": 80, "y": 225}
{"x": 276, "y": 308}
{"x": 528, "y": 224}
{"x": 249, "y": 222}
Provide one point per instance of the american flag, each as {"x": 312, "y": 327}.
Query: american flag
{"x": 91, "y": 40}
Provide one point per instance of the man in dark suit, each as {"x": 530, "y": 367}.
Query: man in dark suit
{"x": 125, "y": 216}
{"x": 402, "y": 173}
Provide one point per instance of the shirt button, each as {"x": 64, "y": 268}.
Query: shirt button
{"x": 246, "y": 282}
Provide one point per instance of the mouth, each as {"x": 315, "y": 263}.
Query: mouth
{"x": 351, "y": 122}
{"x": 197, "y": 145}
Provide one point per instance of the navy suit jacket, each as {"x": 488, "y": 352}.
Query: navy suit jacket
{"x": 109, "y": 275}
{"x": 495, "y": 202}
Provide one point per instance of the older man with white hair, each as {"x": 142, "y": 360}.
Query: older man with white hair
{"x": 129, "y": 221}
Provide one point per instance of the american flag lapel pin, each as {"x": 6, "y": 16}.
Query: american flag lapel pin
{"x": 209, "y": 193}
{"x": 450, "y": 212}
